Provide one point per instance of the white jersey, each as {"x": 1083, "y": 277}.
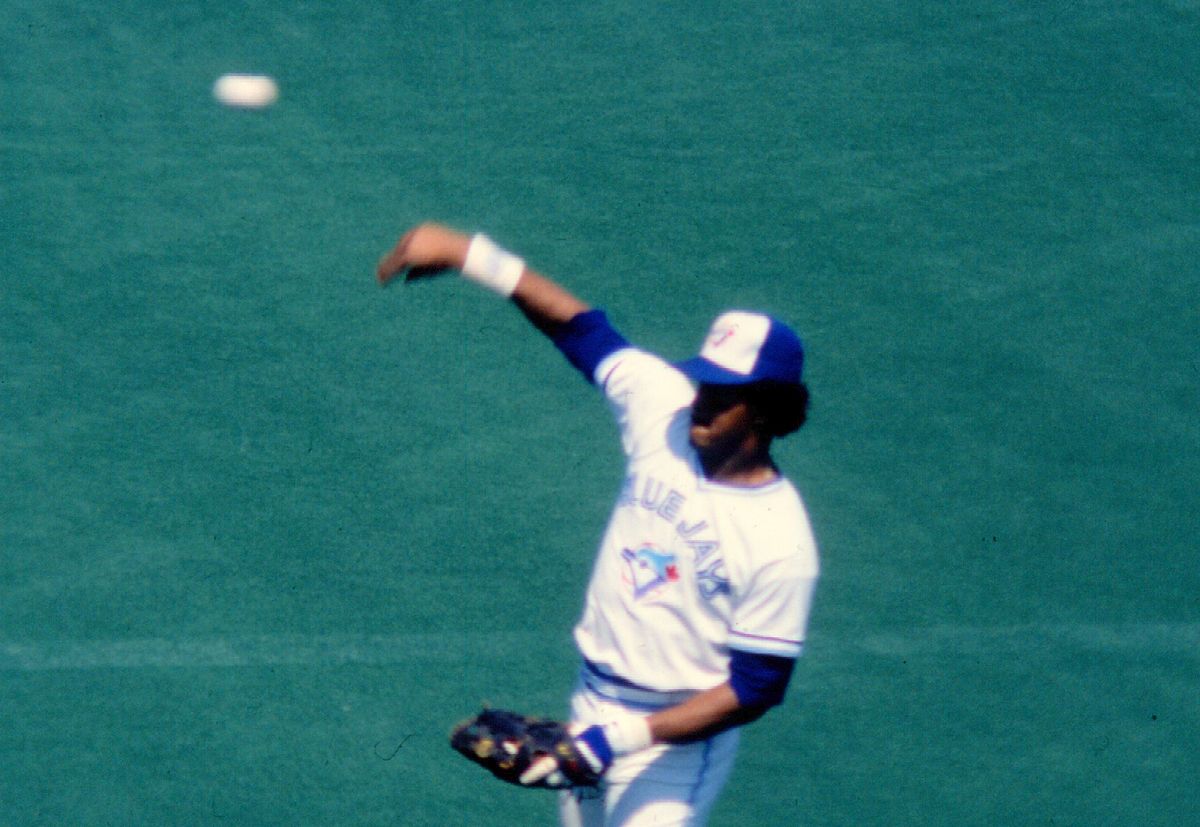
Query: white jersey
{"x": 688, "y": 569}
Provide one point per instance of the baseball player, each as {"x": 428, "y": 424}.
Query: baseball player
{"x": 700, "y": 594}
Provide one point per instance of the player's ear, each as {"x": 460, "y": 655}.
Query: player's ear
{"x": 779, "y": 409}
{"x": 760, "y": 416}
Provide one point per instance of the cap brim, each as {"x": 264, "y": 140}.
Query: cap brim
{"x": 700, "y": 369}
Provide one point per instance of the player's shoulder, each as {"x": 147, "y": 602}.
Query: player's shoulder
{"x": 632, "y": 363}
{"x": 632, "y": 374}
{"x": 775, "y": 526}
{"x": 802, "y": 549}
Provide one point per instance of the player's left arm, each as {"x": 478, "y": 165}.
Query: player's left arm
{"x": 766, "y": 638}
{"x": 758, "y": 683}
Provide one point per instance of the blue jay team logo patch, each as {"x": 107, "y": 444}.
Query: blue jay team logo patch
{"x": 648, "y": 569}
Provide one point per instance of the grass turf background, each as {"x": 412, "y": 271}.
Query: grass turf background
{"x": 267, "y": 531}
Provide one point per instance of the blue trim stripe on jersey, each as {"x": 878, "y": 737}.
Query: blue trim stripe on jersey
{"x": 613, "y": 688}
{"x": 764, "y": 645}
{"x": 587, "y": 340}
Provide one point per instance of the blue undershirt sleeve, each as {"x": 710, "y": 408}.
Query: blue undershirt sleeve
{"x": 587, "y": 339}
{"x": 759, "y": 680}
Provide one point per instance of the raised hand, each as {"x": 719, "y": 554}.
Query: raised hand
{"x": 425, "y": 250}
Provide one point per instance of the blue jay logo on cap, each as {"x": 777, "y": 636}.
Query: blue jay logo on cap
{"x": 743, "y": 347}
{"x": 719, "y": 336}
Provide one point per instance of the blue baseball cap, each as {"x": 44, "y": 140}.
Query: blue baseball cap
{"x": 743, "y": 347}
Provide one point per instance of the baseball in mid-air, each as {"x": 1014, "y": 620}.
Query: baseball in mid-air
{"x": 246, "y": 91}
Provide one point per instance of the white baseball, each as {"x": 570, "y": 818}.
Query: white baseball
{"x": 246, "y": 91}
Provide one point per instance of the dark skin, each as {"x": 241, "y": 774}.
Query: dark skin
{"x": 727, "y": 432}
{"x": 728, "y": 435}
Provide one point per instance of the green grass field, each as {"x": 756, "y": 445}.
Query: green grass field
{"x": 267, "y": 530}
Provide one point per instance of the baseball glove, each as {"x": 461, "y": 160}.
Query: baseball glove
{"x": 529, "y": 752}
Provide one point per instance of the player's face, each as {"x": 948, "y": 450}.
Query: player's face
{"x": 721, "y": 419}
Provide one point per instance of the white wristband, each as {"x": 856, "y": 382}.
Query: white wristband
{"x": 627, "y": 734}
{"x": 496, "y": 269}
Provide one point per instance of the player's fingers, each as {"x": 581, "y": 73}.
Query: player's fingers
{"x": 539, "y": 770}
{"x": 395, "y": 261}
{"x": 389, "y": 266}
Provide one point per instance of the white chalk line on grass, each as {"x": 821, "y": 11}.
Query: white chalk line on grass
{"x": 1129, "y": 640}
{"x": 256, "y": 650}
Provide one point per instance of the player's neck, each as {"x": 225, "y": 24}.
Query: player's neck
{"x": 743, "y": 469}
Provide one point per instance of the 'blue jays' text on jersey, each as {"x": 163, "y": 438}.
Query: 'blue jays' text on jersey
{"x": 688, "y": 569}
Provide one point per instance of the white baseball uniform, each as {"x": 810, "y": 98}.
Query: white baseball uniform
{"x": 689, "y": 570}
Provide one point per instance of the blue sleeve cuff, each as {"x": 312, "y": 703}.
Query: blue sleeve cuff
{"x": 759, "y": 680}
{"x": 587, "y": 340}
